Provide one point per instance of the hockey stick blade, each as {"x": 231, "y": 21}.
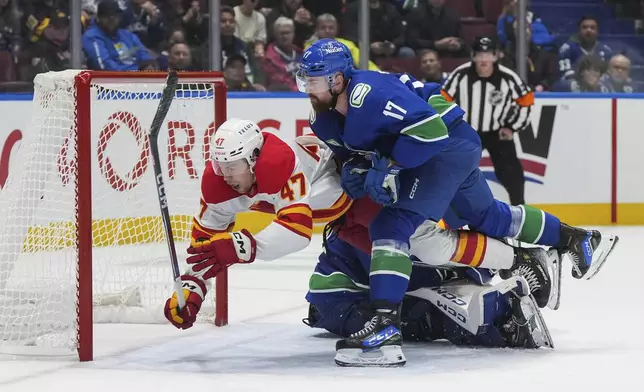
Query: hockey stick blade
{"x": 167, "y": 96}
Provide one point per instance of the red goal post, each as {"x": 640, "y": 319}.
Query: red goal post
{"x": 81, "y": 210}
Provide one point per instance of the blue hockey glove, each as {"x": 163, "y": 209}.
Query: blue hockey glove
{"x": 382, "y": 182}
{"x": 354, "y": 174}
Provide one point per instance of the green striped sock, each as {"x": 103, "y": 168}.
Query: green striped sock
{"x": 390, "y": 262}
{"x": 532, "y": 226}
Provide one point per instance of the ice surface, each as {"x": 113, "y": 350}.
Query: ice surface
{"x": 597, "y": 333}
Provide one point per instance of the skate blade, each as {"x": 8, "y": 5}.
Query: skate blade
{"x": 554, "y": 267}
{"x": 602, "y": 252}
{"x": 545, "y": 339}
{"x": 387, "y": 356}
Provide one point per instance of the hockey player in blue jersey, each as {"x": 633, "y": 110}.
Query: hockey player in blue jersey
{"x": 439, "y": 304}
{"x": 423, "y": 159}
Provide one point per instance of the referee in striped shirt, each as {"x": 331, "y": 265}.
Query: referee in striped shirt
{"x": 497, "y": 104}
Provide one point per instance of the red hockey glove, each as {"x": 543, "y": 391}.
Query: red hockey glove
{"x": 220, "y": 252}
{"x": 194, "y": 291}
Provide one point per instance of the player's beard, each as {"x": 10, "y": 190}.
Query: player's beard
{"x": 320, "y": 106}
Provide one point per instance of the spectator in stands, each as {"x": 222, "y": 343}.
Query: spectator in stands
{"x": 433, "y": 26}
{"x": 110, "y": 48}
{"x": 506, "y": 26}
{"x": 282, "y": 56}
{"x": 235, "y": 75}
{"x": 10, "y": 39}
{"x": 180, "y": 58}
{"x": 385, "y": 28}
{"x": 186, "y": 15}
{"x": 37, "y": 14}
{"x": 542, "y": 64}
{"x": 327, "y": 27}
{"x": 251, "y": 26}
{"x": 230, "y": 45}
{"x": 586, "y": 78}
{"x": 583, "y": 43}
{"x": 143, "y": 18}
{"x": 617, "y": 77}
{"x": 302, "y": 18}
{"x": 177, "y": 35}
{"x": 49, "y": 49}
{"x": 430, "y": 67}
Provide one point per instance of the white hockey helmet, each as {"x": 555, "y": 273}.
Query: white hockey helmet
{"x": 236, "y": 143}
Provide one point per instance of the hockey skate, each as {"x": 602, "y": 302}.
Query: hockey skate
{"x": 542, "y": 270}
{"x": 378, "y": 344}
{"x": 526, "y": 327}
{"x": 587, "y": 249}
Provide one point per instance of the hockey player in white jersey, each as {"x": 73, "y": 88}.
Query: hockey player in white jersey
{"x": 299, "y": 182}
{"x": 255, "y": 170}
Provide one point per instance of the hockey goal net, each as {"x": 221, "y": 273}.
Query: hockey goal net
{"x": 81, "y": 238}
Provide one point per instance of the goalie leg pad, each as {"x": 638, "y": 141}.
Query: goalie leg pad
{"x": 504, "y": 315}
{"x": 470, "y": 306}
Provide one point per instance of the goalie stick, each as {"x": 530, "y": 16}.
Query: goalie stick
{"x": 164, "y": 105}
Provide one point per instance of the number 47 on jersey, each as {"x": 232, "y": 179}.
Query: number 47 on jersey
{"x": 294, "y": 188}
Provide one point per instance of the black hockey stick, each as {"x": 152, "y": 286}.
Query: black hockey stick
{"x": 159, "y": 117}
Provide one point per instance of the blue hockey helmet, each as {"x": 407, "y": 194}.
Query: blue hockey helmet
{"x": 320, "y": 62}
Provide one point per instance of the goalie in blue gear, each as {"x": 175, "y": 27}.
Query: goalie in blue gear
{"x": 439, "y": 304}
{"x": 424, "y": 160}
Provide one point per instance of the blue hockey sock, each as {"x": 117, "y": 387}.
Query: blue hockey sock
{"x": 534, "y": 226}
{"x": 390, "y": 271}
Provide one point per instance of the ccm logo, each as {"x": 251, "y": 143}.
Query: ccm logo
{"x": 449, "y": 310}
{"x": 449, "y": 296}
{"x": 239, "y": 239}
{"x": 413, "y": 188}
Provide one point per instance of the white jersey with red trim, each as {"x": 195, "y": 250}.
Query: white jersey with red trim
{"x": 297, "y": 181}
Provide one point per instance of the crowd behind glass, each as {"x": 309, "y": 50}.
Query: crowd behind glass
{"x": 262, "y": 40}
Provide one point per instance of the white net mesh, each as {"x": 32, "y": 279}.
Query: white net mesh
{"x": 131, "y": 271}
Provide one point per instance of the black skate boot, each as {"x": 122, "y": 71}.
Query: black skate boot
{"x": 378, "y": 344}
{"x": 536, "y": 265}
{"x": 588, "y": 249}
{"x": 526, "y": 327}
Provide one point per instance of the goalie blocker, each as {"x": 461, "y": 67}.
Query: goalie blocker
{"x": 440, "y": 304}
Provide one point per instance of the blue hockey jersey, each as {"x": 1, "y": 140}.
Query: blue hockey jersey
{"x": 571, "y": 51}
{"x": 403, "y": 119}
